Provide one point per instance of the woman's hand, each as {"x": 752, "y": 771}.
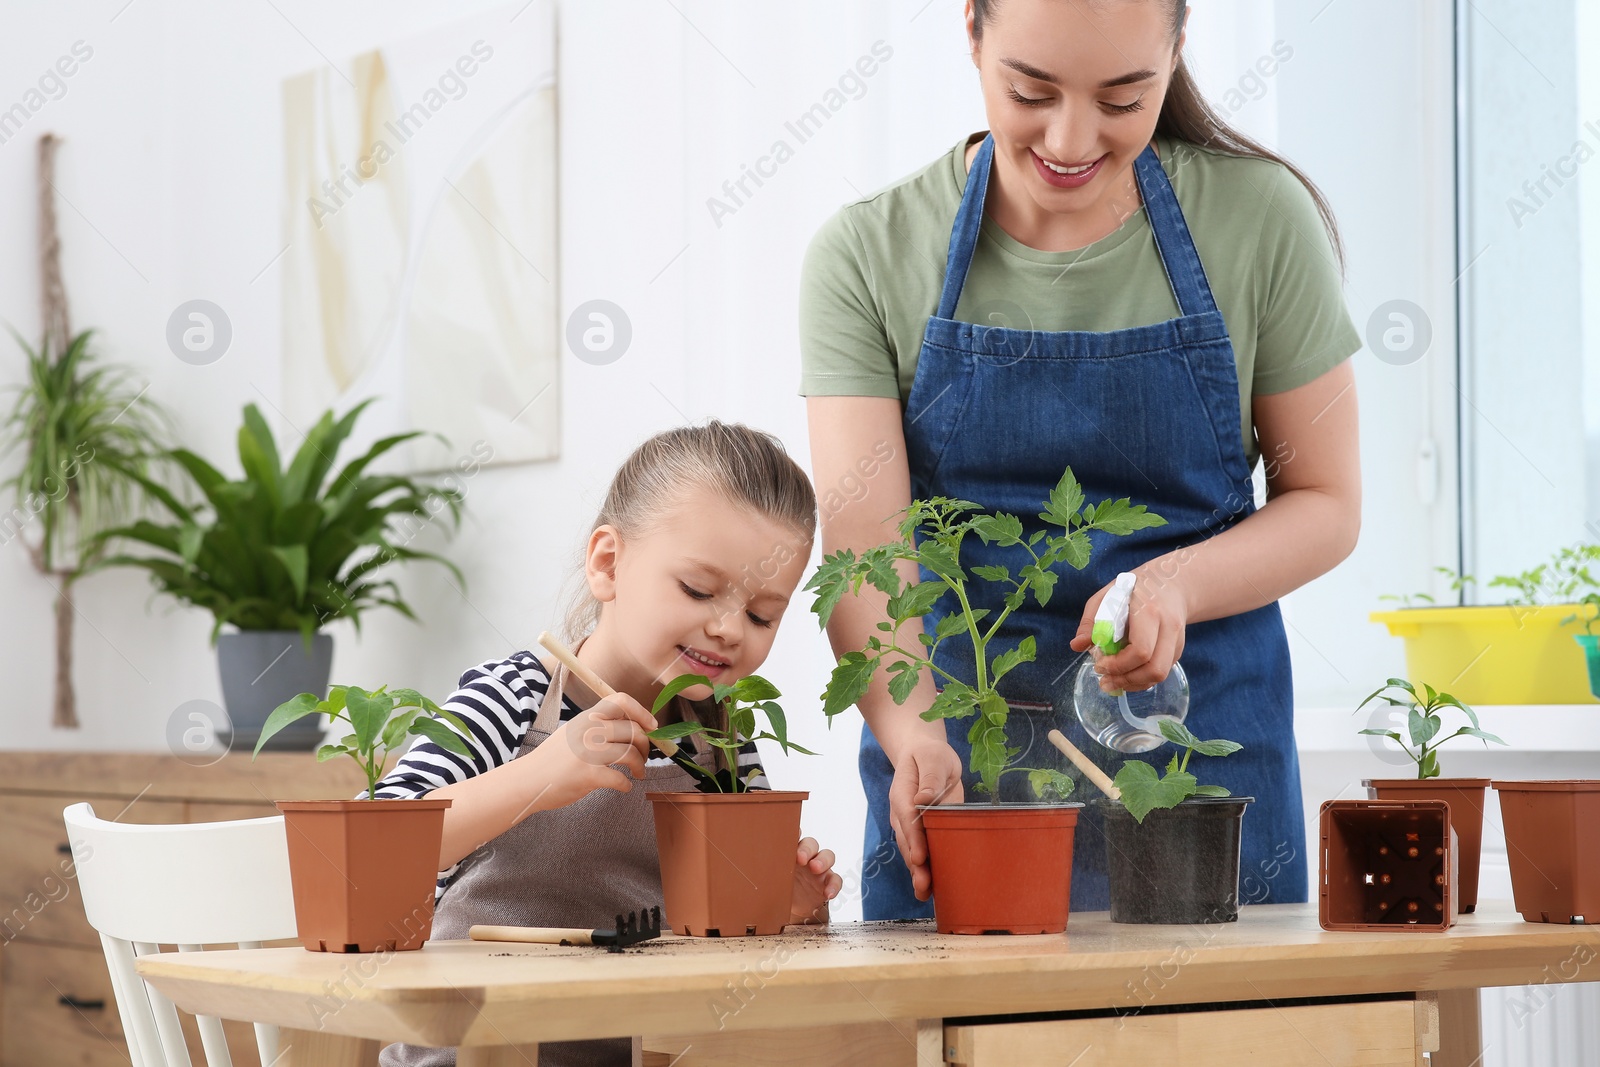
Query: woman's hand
{"x": 926, "y": 771}
{"x": 1157, "y": 617}
{"x": 814, "y": 884}
{"x": 584, "y": 752}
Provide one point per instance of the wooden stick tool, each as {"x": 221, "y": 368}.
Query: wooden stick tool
{"x": 1084, "y": 764}
{"x": 560, "y": 651}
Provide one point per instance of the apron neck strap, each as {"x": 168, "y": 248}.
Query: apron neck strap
{"x": 1174, "y": 244}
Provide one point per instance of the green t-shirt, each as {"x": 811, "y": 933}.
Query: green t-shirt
{"x": 873, "y": 272}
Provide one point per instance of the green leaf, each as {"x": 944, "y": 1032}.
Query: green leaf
{"x": 1065, "y": 499}
{"x": 292, "y": 710}
{"x": 1211, "y": 791}
{"x": 368, "y": 712}
{"x": 992, "y": 574}
{"x": 879, "y": 570}
{"x": 989, "y": 753}
{"x": 295, "y": 561}
{"x": 1142, "y": 791}
{"x": 955, "y": 623}
{"x": 849, "y": 682}
{"x": 916, "y": 601}
{"x": 956, "y": 700}
{"x": 1048, "y": 784}
{"x": 677, "y": 730}
{"x": 994, "y": 707}
{"x": 940, "y": 559}
{"x": 753, "y": 688}
{"x": 1075, "y": 550}
{"x": 830, "y": 582}
{"x": 1422, "y": 727}
{"x": 328, "y": 752}
{"x": 1470, "y": 731}
{"x": 1119, "y": 517}
{"x": 903, "y": 678}
{"x": 998, "y": 529}
{"x": 441, "y": 735}
{"x": 1177, "y": 733}
{"x": 1023, "y": 653}
{"x": 676, "y": 686}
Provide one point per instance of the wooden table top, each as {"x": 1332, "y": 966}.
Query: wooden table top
{"x": 480, "y": 993}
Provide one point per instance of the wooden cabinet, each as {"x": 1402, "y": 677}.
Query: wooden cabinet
{"x": 56, "y": 1002}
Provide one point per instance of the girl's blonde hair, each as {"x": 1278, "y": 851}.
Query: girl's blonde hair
{"x": 747, "y": 467}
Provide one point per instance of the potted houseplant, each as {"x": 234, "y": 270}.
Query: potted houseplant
{"x": 1507, "y": 653}
{"x": 997, "y": 867}
{"x": 364, "y": 870}
{"x": 1550, "y": 841}
{"x": 1172, "y": 844}
{"x": 282, "y": 552}
{"x": 87, "y": 434}
{"x": 1420, "y": 743}
{"x": 1588, "y": 641}
{"x": 727, "y": 851}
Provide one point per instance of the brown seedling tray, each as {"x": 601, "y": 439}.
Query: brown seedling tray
{"x": 1388, "y": 865}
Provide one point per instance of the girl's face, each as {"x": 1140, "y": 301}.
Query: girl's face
{"x": 1072, "y": 90}
{"x": 699, "y": 593}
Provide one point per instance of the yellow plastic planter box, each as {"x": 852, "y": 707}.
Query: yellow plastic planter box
{"x": 1494, "y": 655}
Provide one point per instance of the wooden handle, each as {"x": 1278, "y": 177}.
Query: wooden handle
{"x": 1084, "y": 764}
{"x": 533, "y": 935}
{"x": 561, "y": 652}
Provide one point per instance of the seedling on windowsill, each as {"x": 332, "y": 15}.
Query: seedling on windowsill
{"x": 1423, "y": 722}
{"x": 931, "y": 535}
{"x": 1143, "y": 790}
{"x": 740, "y": 701}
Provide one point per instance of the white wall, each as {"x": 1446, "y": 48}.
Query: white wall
{"x": 171, "y": 169}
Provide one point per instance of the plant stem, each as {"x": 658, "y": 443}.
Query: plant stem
{"x": 978, "y": 642}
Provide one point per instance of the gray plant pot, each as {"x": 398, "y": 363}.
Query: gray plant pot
{"x": 261, "y": 669}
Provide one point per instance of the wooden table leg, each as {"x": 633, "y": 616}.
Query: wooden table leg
{"x": 1460, "y": 1030}
{"x": 499, "y": 1056}
{"x": 313, "y": 1048}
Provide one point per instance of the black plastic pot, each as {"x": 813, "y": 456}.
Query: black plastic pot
{"x": 1180, "y": 866}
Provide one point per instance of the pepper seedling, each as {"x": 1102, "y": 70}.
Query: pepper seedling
{"x": 1144, "y": 791}
{"x": 740, "y": 701}
{"x": 931, "y": 535}
{"x": 1423, "y": 723}
{"x": 380, "y": 721}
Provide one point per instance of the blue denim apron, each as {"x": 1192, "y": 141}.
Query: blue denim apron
{"x": 994, "y": 416}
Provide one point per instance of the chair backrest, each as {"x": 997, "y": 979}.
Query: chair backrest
{"x": 187, "y": 885}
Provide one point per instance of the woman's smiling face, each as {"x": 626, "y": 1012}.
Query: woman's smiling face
{"x": 1072, "y": 89}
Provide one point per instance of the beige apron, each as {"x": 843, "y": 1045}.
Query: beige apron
{"x": 579, "y": 865}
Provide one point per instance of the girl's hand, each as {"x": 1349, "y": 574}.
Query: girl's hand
{"x": 814, "y": 884}
{"x": 584, "y": 752}
{"x": 1157, "y": 617}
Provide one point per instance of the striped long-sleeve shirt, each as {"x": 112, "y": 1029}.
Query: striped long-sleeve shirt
{"x": 498, "y": 701}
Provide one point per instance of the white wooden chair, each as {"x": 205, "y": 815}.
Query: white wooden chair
{"x": 186, "y": 885}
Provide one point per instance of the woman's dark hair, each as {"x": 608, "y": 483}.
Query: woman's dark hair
{"x": 1187, "y": 116}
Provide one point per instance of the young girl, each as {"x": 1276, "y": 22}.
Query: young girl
{"x": 699, "y": 547}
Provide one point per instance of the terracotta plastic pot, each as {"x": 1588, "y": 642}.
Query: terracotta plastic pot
{"x": 1389, "y": 865}
{"x": 363, "y": 871}
{"x": 1466, "y": 797}
{"x": 1001, "y": 868}
{"x": 1553, "y": 842}
{"x": 1181, "y": 865}
{"x": 727, "y": 860}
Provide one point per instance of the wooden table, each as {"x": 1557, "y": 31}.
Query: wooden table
{"x": 1272, "y": 987}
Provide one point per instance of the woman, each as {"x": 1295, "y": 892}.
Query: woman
{"x": 1111, "y": 279}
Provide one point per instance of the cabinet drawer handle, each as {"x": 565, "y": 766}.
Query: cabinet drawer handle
{"x": 71, "y": 1001}
{"x": 65, "y": 848}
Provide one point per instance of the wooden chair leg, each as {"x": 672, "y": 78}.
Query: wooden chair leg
{"x": 1460, "y": 1029}
{"x": 313, "y": 1048}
